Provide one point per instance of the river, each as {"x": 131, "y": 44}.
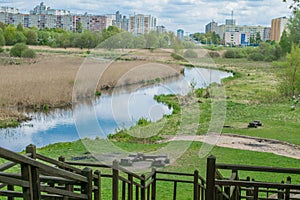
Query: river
{"x": 120, "y": 108}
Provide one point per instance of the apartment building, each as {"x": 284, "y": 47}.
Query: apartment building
{"x": 211, "y": 27}
{"x": 278, "y": 25}
{"x": 180, "y": 34}
{"x": 9, "y": 10}
{"x": 140, "y": 24}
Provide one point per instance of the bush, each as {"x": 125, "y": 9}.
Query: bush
{"x": 190, "y": 54}
{"x": 234, "y": 54}
{"x": 22, "y": 50}
{"x": 256, "y": 56}
{"x": 28, "y": 53}
{"x": 213, "y": 54}
{"x": 17, "y": 49}
{"x": 177, "y": 57}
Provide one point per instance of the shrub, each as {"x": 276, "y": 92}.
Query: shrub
{"x": 213, "y": 54}
{"x": 190, "y": 54}
{"x": 177, "y": 57}
{"x": 28, "y": 53}
{"x": 256, "y": 56}
{"x": 233, "y": 54}
{"x": 17, "y": 49}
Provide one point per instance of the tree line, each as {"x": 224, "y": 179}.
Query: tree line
{"x": 55, "y": 37}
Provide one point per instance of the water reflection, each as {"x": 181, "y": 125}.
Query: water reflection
{"x": 115, "y": 109}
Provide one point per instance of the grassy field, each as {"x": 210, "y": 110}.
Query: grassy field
{"x": 251, "y": 95}
{"x": 189, "y": 162}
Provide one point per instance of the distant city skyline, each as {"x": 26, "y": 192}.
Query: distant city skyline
{"x": 189, "y": 15}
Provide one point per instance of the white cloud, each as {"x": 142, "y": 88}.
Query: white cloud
{"x": 191, "y": 15}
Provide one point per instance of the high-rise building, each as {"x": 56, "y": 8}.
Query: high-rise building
{"x": 161, "y": 29}
{"x": 140, "y": 24}
{"x": 98, "y": 23}
{"x": 211, "y": 27}
{"x": 9, "y": 10}
{"x": 180, "y": 34}
{"x": 277, "y": 27}
{"x": 42, "y": 9}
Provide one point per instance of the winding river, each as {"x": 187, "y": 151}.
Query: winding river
{"x": 120, "y": 108}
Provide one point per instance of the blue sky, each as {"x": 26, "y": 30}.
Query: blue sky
{"x": 190, "y": 15}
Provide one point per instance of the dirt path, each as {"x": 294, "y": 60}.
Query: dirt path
{"x": 247, "y": 143}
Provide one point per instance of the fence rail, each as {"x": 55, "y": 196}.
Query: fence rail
{"x": 235, "y": 188}
{"x": 35, "y": 176}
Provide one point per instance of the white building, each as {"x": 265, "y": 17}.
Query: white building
{"x": 237, "y": 38}
{"x": 140, "y": 24}
{"x": 9, "y": 10}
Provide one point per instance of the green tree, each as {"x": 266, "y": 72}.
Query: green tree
{"x": 290, "y": 77}
{"x": 10, "y": 35}
{"x": 20, "y": 37}
{"x": 2, "y": 39}
{"x": 31, "y": 37}
{"x": 285, "y": 43}
{"x": 110, "y": 31}
{"x": 295, "y": 5}
{"x": 294, "y": 28}
{"x": 20, "y": 27}
{"x": 2, "y": 26}
{"x": 79, "y": 27}
{"x": 151, "y": 39}
{"x": 258, "y": 38}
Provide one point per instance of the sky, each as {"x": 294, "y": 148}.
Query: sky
{"x": 189, "y": 15}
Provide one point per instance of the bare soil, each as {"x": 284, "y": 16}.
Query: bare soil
{"x": 246, "y": 143}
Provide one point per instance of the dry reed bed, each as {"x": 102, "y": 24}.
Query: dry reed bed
{"x": 51, "y": 78}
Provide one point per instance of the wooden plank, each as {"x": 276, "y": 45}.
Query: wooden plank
{"x": 60, "y": 164}
{"x": 67, "y": 193}
{"x": 7, "y": 165}
{"x": 59, "y": 180}
{"x": 257, "y": 184}
{"x": 21, "y": 159}
{"x": 11, "y": 193}
{"x": 258, "y": 168}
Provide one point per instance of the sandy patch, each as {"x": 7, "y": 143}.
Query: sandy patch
{"x": 246, "y": 143}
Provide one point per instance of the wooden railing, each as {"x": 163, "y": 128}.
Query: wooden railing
{"x": 128, "y": 185}
{"x": 32, "y": 176}
{"x": 39, "y": 177}
{"x": 235, "y": 188}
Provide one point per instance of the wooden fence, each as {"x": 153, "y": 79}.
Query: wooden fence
{"x": 33, "y": 176}
{"x": 235, "y": 188}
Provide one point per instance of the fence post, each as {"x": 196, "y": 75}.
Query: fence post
{"x": 115, "y": 180}
{"x": 31, "y": 174}
{"x": 10, "y": 188}
{"x": 130, "y": 187}
{"x": 153, "y": 188}
{"x": 97, "y": 183}
{"x": 87, "y": 188}
{"x": 143, "y": 188}
{"x": 287, "y": 191}
{"x": 196, "y": 188}
{"x": 210, "y": 178}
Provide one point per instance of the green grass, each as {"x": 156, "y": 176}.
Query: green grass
{"x": 187, "y": 163}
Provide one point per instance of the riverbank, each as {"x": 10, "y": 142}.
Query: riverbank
{"x": 47, "y": 82}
